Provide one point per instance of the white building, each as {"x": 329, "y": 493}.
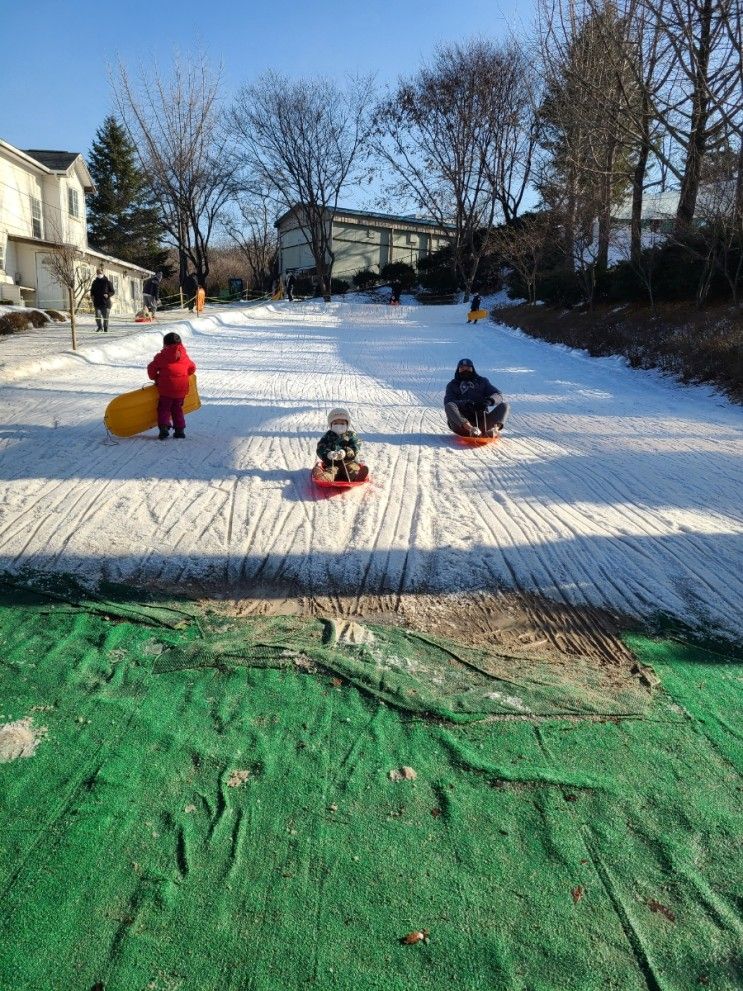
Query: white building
{"x": 42, "y": 203}
{"x": 360, "y": 240}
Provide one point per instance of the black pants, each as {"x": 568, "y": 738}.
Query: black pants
{"x": 101, "y": 316}
{"x": 462, "y": 417}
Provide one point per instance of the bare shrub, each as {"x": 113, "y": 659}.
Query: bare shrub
{"x": 14, "y": 322}
{"x": 678, "y": 339}
{"x": 37, "y": 318}
{"x": 56, "y": 315}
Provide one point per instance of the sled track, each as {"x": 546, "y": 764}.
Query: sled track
{"x": 580, "y": 502}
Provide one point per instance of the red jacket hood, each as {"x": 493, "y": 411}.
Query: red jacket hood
{"x": 170, "y": 369}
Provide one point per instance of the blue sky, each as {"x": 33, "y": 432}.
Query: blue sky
{"x": 53, "y": 76}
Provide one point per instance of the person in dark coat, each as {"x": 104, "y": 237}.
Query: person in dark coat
{"x": 101, "y": 291}
{"x": 170, "y": 370}
{"x": 290, "y": 287}
{"x": 474, "y": 407}
{"x": 151, "y": 292}
{"x": 190, "y": 287}
{"x": 475, "y": 305}
{"x": 396, "y": 292}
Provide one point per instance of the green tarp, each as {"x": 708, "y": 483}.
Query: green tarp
{"x": 207, "y": 804}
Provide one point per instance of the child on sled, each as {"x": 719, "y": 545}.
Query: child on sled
{"x": 338, "y": 451}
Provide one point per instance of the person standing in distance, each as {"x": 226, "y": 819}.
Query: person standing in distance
{"x": 101, "y": 291}
{"x": 151, "y": 293}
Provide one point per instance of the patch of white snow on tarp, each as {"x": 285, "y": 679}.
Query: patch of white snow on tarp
{"x": 19, "y": 739}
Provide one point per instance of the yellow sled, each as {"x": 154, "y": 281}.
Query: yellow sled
{"x": 477, "y": 315}
{"x": 133, "y": 412}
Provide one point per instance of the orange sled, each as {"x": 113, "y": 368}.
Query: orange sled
{"x": 478, "y": 441}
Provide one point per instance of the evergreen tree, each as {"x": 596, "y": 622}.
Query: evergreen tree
{"x": 122, "y": 219}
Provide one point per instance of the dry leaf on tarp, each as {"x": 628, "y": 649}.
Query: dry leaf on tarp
{"x": 417, "y": 936}
{"x": 237, "y": 779}
{"x": 655, "y": 906}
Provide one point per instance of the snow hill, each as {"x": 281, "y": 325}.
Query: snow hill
{"x": 610, "y": 486}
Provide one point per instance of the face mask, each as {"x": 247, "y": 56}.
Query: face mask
{"x": 338, "y": 428}
{"x": 465, "y": 373}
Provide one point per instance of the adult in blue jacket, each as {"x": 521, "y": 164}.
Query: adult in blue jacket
{"x": 473, "y": 405}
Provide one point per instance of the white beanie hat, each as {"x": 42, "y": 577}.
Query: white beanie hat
{"x": 339, "y": 414}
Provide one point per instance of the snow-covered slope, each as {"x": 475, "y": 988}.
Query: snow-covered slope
{"x": 610, "y": 486}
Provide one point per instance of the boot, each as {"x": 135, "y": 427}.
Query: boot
{"x": 361, "y": 475}
{"x": 164, "y": 433}
{"x": 180, "y": 434}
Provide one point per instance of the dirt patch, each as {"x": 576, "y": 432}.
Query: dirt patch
{"x": 521, "y": 630}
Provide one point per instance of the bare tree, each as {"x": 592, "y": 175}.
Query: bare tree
{"x": 252, "y": 230}
{"x": 66, "y": 264}
{"x": 717, "y": 239}
{"x": 585, "y": 172}
{"x": 635, "y": 46}
{"x": 523, "y": 244}
{"x": 304, "y": 141}
{"x": 697, "y": 32}
{"x": 177, "y": 125}
{"x": 458, "y": 140}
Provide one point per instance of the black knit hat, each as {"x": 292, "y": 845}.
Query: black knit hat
{"x": 172, "y": 338}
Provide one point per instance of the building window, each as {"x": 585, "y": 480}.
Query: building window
{"x": 115, "y": 280}
{"x": 73, "y": 202}
{"x": 36, "y": 225}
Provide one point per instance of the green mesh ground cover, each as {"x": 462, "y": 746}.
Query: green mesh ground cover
{"x": 541, "y": 854}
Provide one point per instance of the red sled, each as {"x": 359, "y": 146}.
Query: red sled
{"x": 139, "y": 319}
{"x": 323, "y": 483}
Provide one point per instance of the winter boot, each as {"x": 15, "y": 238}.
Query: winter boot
{"x": 164, "y": 433}
{"x": 361, "y": 475}
{"x": 180, "y": 434}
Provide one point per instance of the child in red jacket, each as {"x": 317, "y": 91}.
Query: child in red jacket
{"x": 170, "y": 370}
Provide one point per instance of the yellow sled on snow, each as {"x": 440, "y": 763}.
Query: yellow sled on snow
{"x": 474, "y": 315}
{"x": 134, "y": 412}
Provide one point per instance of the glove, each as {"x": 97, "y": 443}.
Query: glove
{"x": 336, "y": 455}
{"x": 349, "y": 452}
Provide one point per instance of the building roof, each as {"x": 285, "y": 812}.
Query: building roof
{"x": 404, "y": 218}
{"x": 62, "y": 161}
{"x": 387, "y": 218}
{"x": 89, "y": 253}
{"x": 57, "y": 161}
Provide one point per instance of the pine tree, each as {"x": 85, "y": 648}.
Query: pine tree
{"x": 122, "y": 219}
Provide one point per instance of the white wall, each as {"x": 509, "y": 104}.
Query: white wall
{"x": 18, "y": 185}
